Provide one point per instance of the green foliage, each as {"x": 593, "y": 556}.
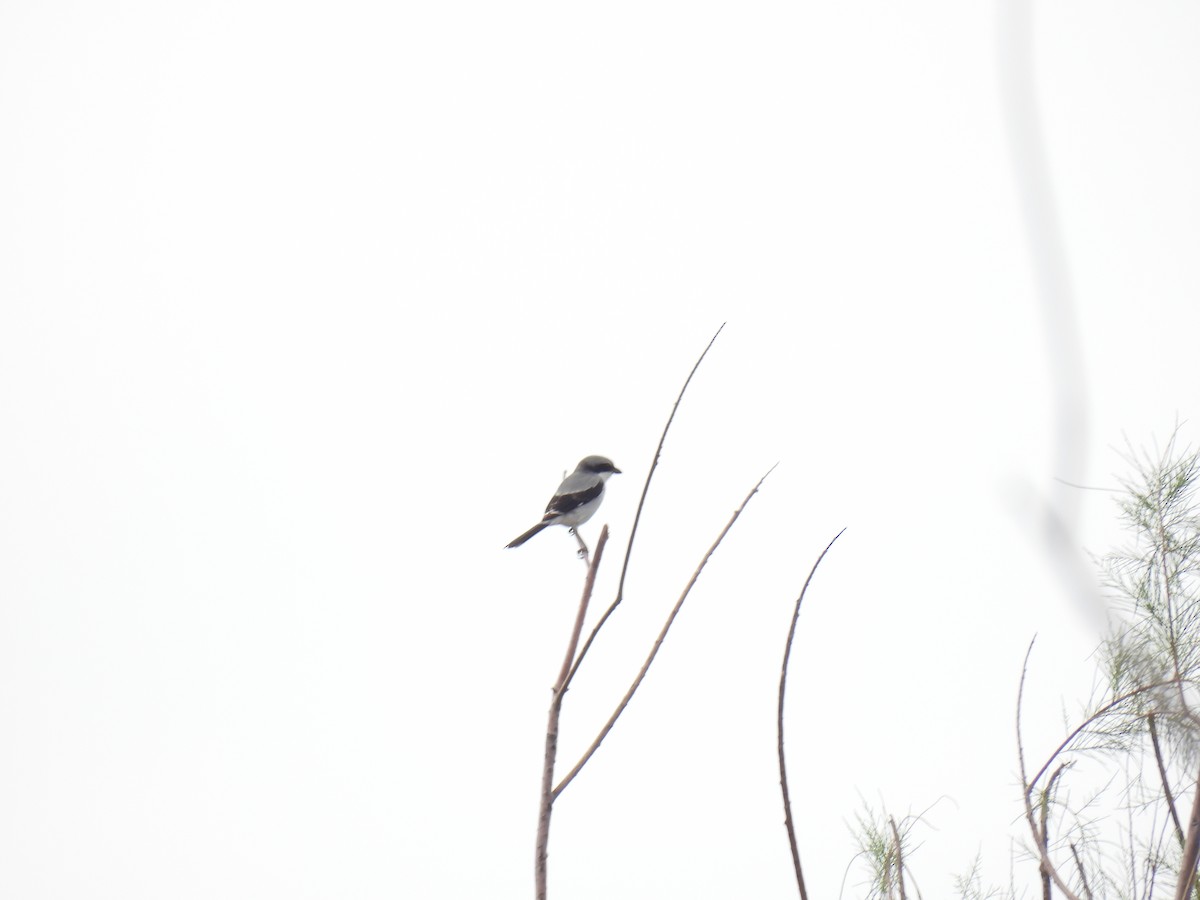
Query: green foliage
{"x": 883, "y": 848}
{"x": 1155, "y": 582}
{"x": 969, "y": 885}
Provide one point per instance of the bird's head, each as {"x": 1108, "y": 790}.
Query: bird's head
{"x": 598, "y": 465}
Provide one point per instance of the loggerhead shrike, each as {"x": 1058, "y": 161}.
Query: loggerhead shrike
{"x": 577, "y": 498}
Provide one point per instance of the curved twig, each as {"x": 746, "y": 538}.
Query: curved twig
{"x": 595, "y": 745}
{"x": 547, "y": 798}
{"x": 1100, "y": 713}
{"x": 1027, "y": 789}
{"x": 783, "y": 782}
{"x": 638, "y": 515}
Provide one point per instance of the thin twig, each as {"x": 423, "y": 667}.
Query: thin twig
{"x": 1027, "y": 789}
{"x": 547, "y": 798}
{"x": 899, "y": 857}
{"x": 638, "y": 515}
{"x": 1162, "y": 774}
{"x": 783, "y": 782}
{"x": 595, "y": 745}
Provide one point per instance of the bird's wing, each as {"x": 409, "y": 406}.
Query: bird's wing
{"x": 575, "y": 491}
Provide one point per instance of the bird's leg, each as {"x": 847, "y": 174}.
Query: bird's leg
{"x": 583, "y": 548}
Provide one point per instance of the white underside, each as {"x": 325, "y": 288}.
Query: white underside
{"x": 580, "y": 514}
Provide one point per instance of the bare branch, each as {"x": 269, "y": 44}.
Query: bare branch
{"x": 638, "y": 516}
{"x": 547, "y": 798}
{"x": 595, "y": 745}
{"x": 783, "y": 782}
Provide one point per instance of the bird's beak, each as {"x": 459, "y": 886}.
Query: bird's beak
{"x": 616, "y": 471}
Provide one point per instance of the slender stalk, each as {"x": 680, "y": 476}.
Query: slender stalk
{"x": 547, "y": 798}
{"x": 638, "y": 516}
{"x": 662, "y": 635}
{"x": 783, "y": 670}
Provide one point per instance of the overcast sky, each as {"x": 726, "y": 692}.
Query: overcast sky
{"x": 305, "y": 308}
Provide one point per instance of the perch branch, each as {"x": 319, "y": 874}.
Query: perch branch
{"x": 547, "y": 798}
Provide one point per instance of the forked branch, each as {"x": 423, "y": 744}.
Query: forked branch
{"x": 595, "y": 745}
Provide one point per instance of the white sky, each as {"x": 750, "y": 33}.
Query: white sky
{"x": 304, "y": 309}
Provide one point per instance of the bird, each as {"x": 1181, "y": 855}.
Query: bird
{"x": 577, "y": 498}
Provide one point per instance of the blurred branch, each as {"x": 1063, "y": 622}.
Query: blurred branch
{"x": 783, "y": 782}
{"x": 595, "y": 745}
{"x": 547, "y": 798}
{"x": 638, "y": 516}
{"x": 1035, "y": 190}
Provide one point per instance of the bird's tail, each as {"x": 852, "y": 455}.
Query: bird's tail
{"x": 517, "y": 542}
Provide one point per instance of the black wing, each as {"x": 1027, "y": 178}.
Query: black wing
{"x": 560, "y": 504}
